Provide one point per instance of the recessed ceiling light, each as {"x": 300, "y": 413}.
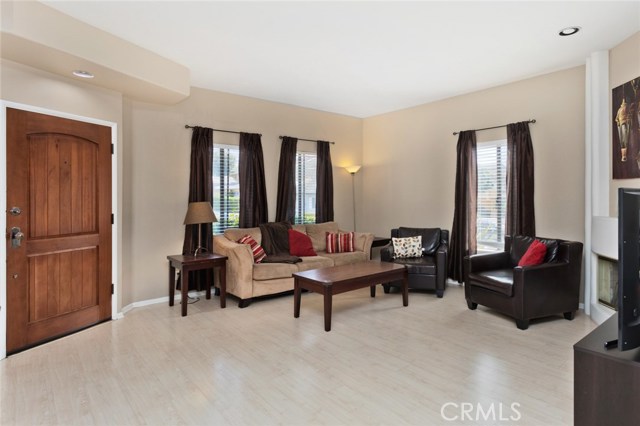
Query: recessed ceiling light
{"x": 568, "y": 31}
{"x": 82, "y": 74}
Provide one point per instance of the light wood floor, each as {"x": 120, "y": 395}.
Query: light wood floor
{"x": 381, "y": 364}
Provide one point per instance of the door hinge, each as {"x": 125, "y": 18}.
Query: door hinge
{"x": 113, "y": 148}
{"x": 112, "y": 219}
{"x": 112, "y": 288}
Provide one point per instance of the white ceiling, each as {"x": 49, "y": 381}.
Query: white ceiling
{"x": 362, "y": 58}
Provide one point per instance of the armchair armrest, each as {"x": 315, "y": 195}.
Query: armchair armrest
{"x": 441, "y": 266}
{"x": 386, "y": 253}
{"x": 544, "y": 289}
{"x": 487, "y": 262}
{"x": 239, "y": 265}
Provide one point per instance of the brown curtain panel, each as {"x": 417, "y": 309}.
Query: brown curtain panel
{"x": 324, "y": 184}
{"x": 200, "y": 189}
{"x": 463, "y": 230}
{"x": 253, "y": 192}
{"x": 286, "y": 202}
{"x": 521, "y": 219}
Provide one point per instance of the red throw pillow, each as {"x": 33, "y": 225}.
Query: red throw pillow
{"x": 340, "y": 242}
{"x": 258, "y": 251}
{"x": 300, "y": 244}
{"x": 534, "y": 254}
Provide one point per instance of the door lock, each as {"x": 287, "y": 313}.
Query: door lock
{"x": 15, "y": 211}
{"x": 16, "y": 237}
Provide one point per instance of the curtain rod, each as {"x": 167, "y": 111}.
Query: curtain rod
{"x": 309, "y": 140}
{"x": 186, "y": 126}
{"x": 494, "y": 127}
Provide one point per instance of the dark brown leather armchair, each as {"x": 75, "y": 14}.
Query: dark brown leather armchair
{"x": 428, "y": 272}
{"x": 524, "y": 293}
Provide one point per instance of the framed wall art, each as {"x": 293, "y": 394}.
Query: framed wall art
{"x": 626, "y": 130}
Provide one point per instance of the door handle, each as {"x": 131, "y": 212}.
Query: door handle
{"x": 16, "y": 237}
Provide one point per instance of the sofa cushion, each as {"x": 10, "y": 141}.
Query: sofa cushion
{"x": 256, "y": 249}
{"x": 269, "y": 271}
{"x": 418, "y": 265}
{"x": 300, "y": 228}
{"x": 498, "y": 280}
{"x": 345, "y": 258}
{"x": 300, "y": 244}
{"x": 534, "y": 254}
{"x": 314, "y": 262}
{"x": 234, "y": 234}
{"x": 318, "y": 234}
{"x": 430, "y": 237}
{"x": 340, "y": 242}
{"x": 407, "y": 247}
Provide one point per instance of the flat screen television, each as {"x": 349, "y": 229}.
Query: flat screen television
{"x": 628, "y": 268}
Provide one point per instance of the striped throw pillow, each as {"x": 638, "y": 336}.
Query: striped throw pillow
{"x": 258, "y": 251}
{"x": 340, "y": 242}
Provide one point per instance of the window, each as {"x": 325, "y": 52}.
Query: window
{"x": 492, "y": 195}
{"x": 226, "y": 187}
{"x": 305, "y": 188}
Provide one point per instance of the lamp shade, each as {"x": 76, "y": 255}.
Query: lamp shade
{"x": 353, "y": 169}
{"x": 200, "y": 212}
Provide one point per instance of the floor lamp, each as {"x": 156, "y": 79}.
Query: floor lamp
{"x": 198, "y": 213}
{"x": 352, "y": 171}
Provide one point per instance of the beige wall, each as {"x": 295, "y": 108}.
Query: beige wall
{"x": 624, "y": 65}
{"x": 410, "y": 155}
{"x": 157, "y": 167}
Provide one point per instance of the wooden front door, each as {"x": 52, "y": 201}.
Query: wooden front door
{"x": 58, "y": 227}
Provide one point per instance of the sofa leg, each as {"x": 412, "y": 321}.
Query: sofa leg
{"x": 471, "y": 305}
{"x": 522, "y": 324}
{"x": 243, "y": 303}
{"x": 569, "y": 315}
{"x": 440, "y": 293}
{"x": 386, "y": 288}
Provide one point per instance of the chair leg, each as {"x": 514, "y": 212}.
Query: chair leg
{"x": 216, "y": 291}
{"x": 243, "y": 303}
{"x": 522, "y": 324}
{"x": 440, "y": 293}
{"x": 386, "y": 288}
{"x": 471, "y": 305}
{"x": 569, "y": 315}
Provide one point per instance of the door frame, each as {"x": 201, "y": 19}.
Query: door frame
{"x": 116, "y": 253}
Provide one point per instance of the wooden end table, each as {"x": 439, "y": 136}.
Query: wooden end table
{"x": 188, "y": 263}
{"x": 343, "y": 278}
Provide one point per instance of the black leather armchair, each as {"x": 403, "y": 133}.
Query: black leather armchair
{"x": 524, "y": 293}
{"x": 428, "y": 272}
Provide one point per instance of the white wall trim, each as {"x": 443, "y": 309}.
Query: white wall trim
{"x": 597, "y": 170}
{"x": 115, "y": 258}
{"x": 142, "y": 303}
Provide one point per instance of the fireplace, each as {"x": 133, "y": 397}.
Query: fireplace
{"x": 607, "y": 281}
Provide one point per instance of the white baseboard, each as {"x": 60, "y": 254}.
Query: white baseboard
{"x": 148, "y": 302}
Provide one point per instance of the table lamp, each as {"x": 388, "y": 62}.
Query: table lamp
{"x": 198, "y": 213}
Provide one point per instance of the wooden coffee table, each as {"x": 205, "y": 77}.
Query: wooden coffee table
{"x": 340, "y": 279}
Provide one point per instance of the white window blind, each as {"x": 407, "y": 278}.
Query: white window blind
{"x": 305, "y": 187}
{"x": 226, "y": 187}
{"x": 492, "y": 195}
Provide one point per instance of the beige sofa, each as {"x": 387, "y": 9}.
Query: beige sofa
{"x": 246, "y": 279}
